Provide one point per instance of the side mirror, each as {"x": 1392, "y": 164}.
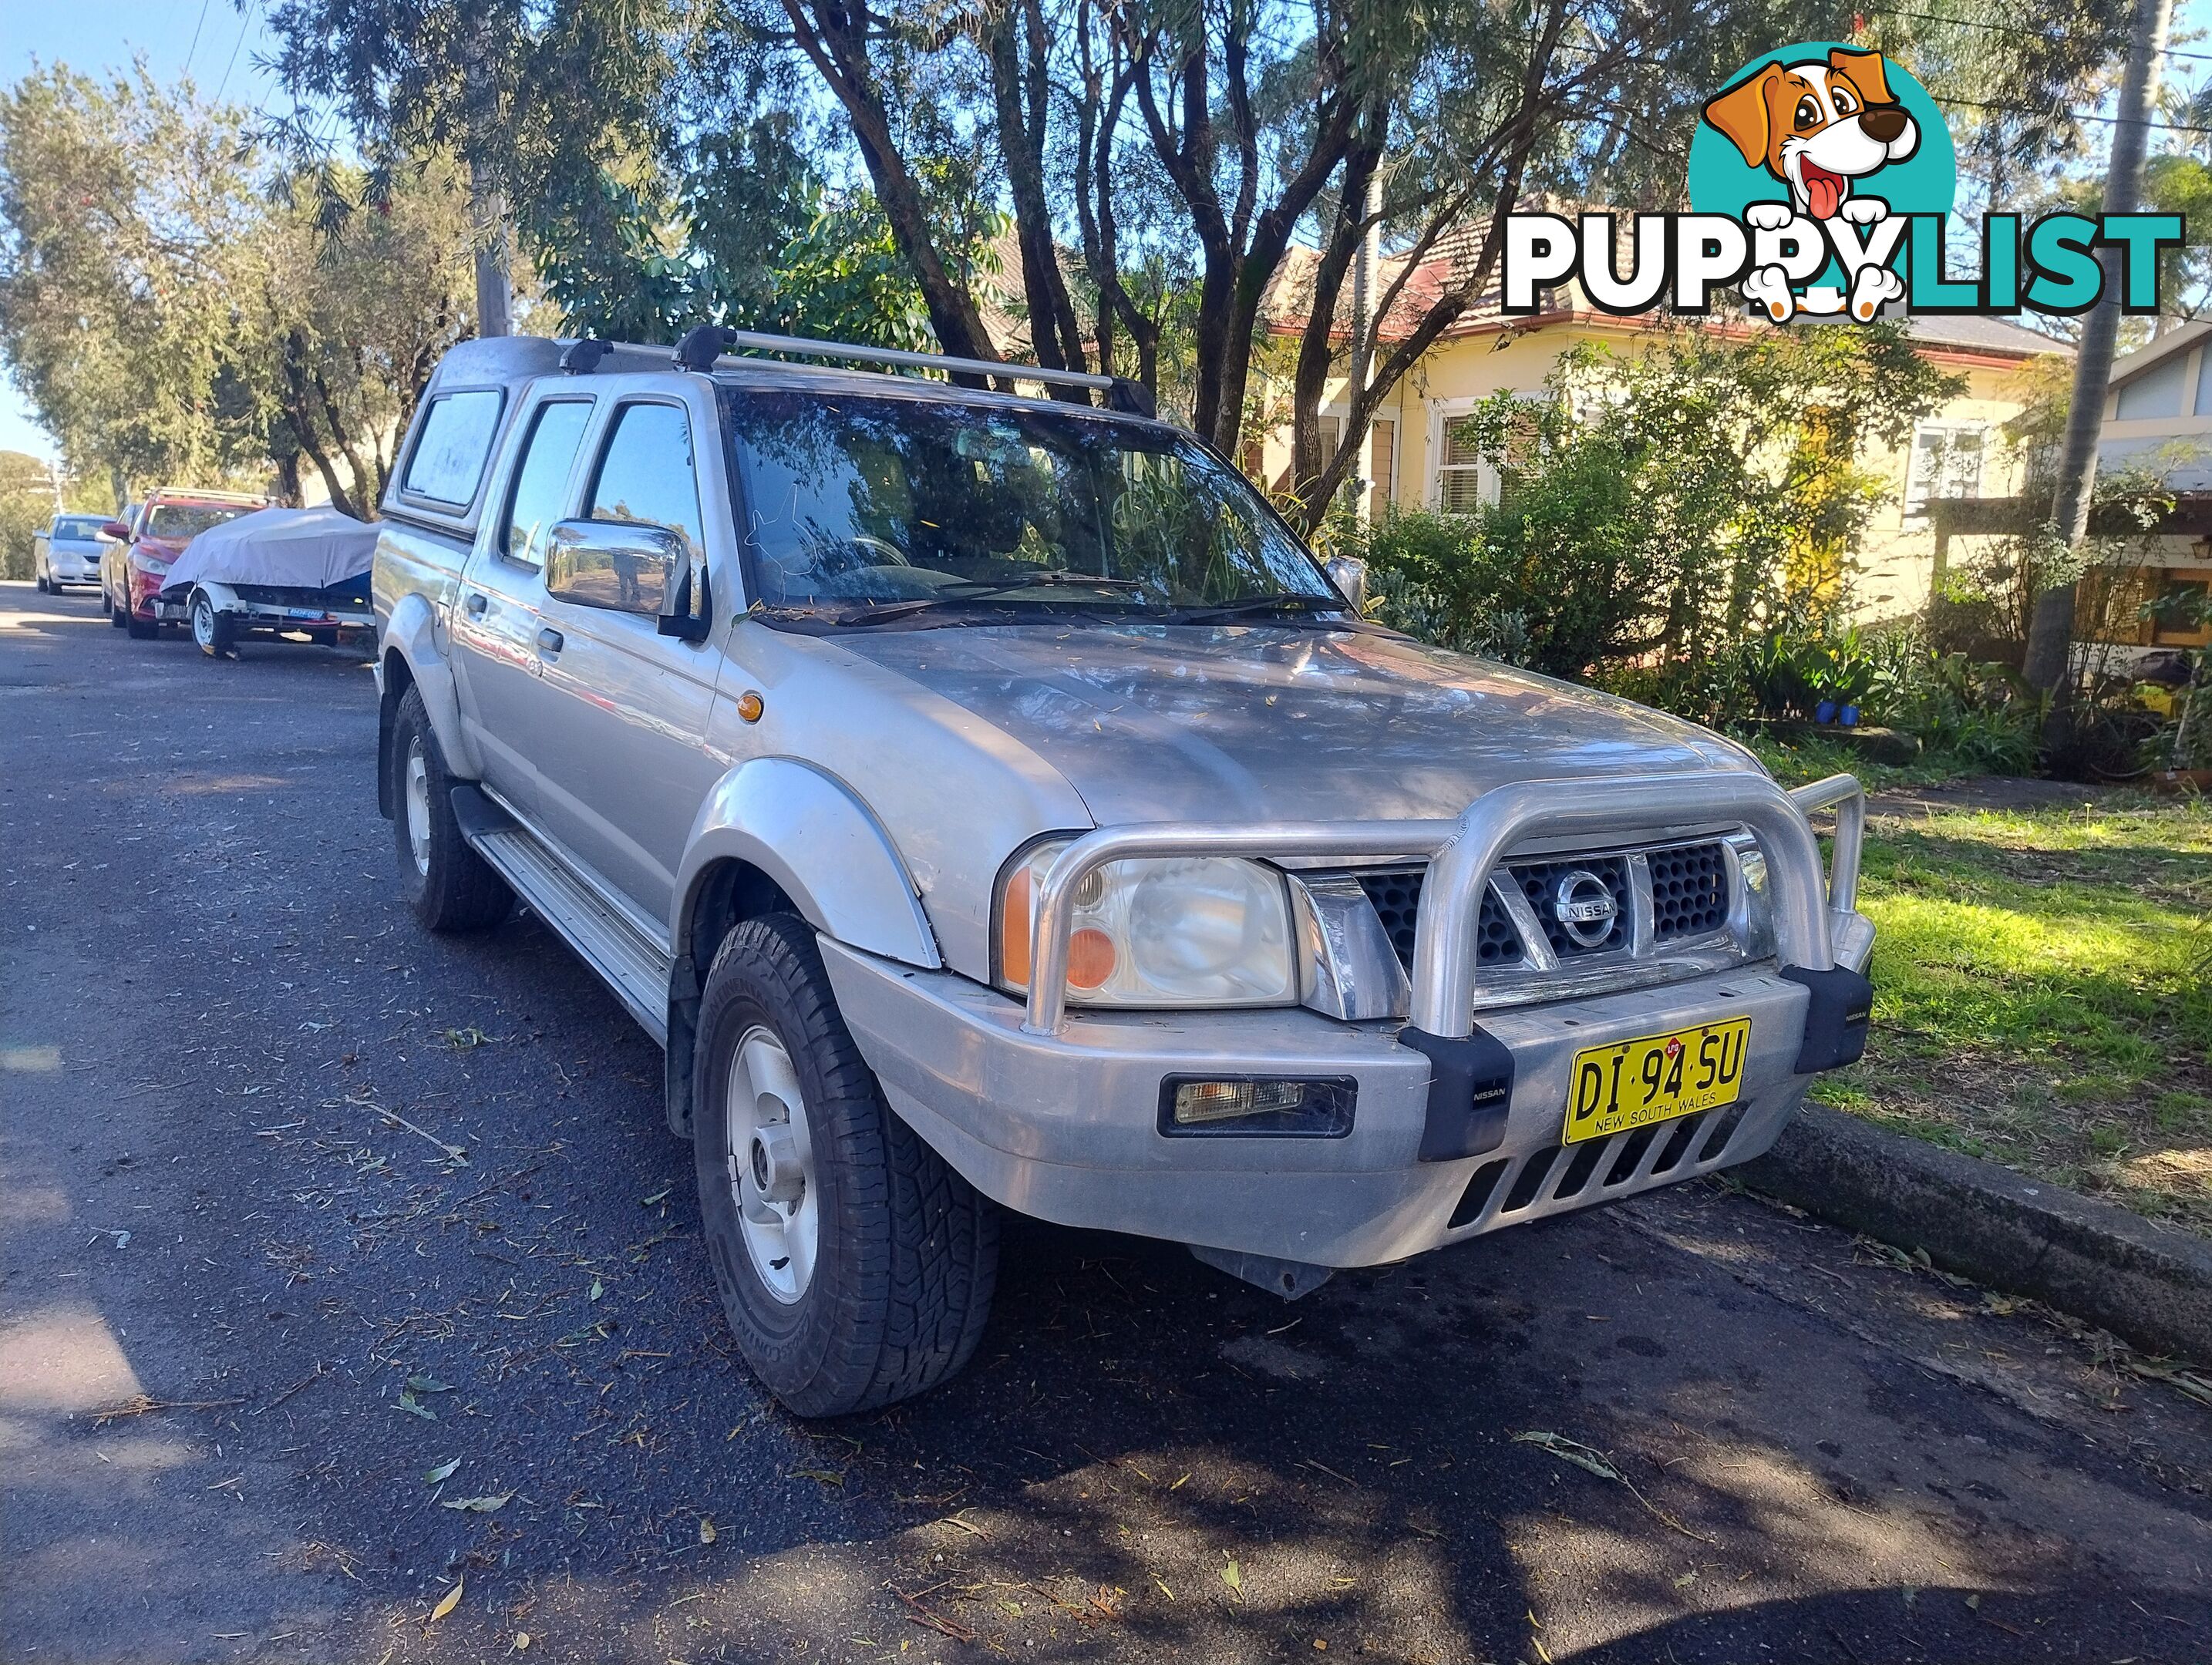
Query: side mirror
{"x": 1349, "y": 574}
{"x": 116, "y": 530}
{"x": 623, "y": 566}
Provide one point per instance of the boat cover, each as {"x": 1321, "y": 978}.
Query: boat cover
{"x": 299, "y": 549}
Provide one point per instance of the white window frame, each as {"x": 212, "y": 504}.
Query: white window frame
{"x": 1916, "y": 514}
{"x": 1442, "y": 414}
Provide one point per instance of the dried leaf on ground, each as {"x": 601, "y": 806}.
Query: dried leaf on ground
{"x": 442, "y": 1473}
{"x": 451, "y": 1600}
{"x": 1233, "y": 1575}
{"x": 477, "y": 1505}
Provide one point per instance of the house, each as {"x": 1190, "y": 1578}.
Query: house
{"x": 2157, "y": 425}
{"x": 1416, "y": 458}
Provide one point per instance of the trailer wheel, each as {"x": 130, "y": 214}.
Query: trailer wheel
{"x": 215, "y": 634}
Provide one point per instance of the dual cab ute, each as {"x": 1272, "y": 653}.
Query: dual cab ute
{"x": 989, "y": 802}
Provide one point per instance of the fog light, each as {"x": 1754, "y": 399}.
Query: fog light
{"x": 1252, "y": 1107}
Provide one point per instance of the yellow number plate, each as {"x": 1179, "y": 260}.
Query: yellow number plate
{"x": 1655, "y": 1078}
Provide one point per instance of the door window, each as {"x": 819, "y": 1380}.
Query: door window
{"x": 646, "y": 472}
{"x": 540, "y": 495}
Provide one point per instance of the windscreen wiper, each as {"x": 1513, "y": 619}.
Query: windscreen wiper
{"x": 1281, "y": 601}
{"x": 978, "y": 588}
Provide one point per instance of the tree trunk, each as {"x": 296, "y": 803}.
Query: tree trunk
{"x": 2050, "y": 633}
{"x": 834, "y": 39}
{"x": 1021, "y": 97}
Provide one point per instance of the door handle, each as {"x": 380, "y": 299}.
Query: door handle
{"x": 551, "y": 641}
{"x": 476, "y": 603}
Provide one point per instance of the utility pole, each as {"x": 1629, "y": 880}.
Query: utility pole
{"x": 2051, "y": 630}
{"x": 487, "y": 202}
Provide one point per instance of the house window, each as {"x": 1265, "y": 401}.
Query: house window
{"x": 1381, "y": 467}
{"x": 2177, "y": 615}
{"x": 1467, "y": 481}
{"x": 1947, "y": 462}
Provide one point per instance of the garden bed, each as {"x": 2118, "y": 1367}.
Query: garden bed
{"x": 2044, "y": 986}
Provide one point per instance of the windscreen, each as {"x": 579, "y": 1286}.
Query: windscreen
{"x": 189, "y": 520}
{"x": 79, "y": 525}
{"x": 876, "y": 501}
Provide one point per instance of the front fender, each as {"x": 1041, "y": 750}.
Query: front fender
{"x": 807, "y": 831}
{"x": 411, "y": 633}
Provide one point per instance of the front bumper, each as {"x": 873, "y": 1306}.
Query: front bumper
{"x": 1056, "y": 1113}
{"x": 1065, "y": 1126}
{"x": 68, "y": 568}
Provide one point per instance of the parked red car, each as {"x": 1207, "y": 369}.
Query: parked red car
{"x": 134, "y": 572}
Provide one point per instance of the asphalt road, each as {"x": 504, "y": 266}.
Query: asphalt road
{"x": 270, "y": 1153}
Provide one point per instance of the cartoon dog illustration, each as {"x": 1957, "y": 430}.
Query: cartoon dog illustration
{"x": 1818, "y": 126}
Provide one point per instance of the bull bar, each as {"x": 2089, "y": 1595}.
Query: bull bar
{"x": 1463, "y": 853}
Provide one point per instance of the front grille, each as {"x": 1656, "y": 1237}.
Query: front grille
{"x": 1690, "y": 898}
{"x": 1396, "y": 895}
{"x": 1538, "y": 879}
{"x": 1689, "y": 891}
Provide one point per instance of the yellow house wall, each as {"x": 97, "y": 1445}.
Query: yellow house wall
{"x": 1894, "y": 562}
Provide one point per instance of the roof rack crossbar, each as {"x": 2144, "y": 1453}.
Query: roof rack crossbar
{"x": 733, "y": 340}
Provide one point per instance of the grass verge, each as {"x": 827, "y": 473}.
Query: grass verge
{"x": 2044, "y": 994}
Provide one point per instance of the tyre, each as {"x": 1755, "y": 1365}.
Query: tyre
{"x": 141, "y": 630}
{"x": 117, "y": 616}
{"x": 215, "y": 633}
{"x": 855, "y": 1267}
{"x": 448, "y": 885}
{"x": 45, "y": 586}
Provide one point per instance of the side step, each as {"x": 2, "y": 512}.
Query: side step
{"x": 629, "y": 962}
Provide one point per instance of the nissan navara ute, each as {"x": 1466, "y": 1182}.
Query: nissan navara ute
{"x": 989, "y": 802}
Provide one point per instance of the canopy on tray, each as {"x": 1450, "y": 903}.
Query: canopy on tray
{"x": 301, "y": 549}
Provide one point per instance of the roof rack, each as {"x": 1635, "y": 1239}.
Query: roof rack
{"x": 702, "y": 345}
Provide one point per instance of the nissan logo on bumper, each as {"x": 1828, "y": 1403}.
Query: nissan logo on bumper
{"x": 1583, "y": 904}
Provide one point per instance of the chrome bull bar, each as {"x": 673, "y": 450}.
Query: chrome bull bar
{"x": 1462, "y": 854}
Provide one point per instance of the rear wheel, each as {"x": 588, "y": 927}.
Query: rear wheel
{"x": 855, "y": 1267}
{"x": 449, "y": 886}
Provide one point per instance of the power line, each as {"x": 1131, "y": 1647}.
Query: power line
{"x": 2013, "y": 28}
{"x": 2076, "y": 115}
{"x": 245, "y": 23}
{"x": 195, "y": 46}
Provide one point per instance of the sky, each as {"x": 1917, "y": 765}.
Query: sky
{"x": 212, "y": 40}
{"x": 221, "y": 45}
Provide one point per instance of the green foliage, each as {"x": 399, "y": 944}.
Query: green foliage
{"x": 2040, "y": 993}
{"x": 750, "y": 236}
{"x": 1663, "y": 507}
{"x": 179, "y": 308}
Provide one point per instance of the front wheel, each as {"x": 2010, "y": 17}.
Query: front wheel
{"x": 448, "y": 885}
{"x": 141, "y": 630}
{"x": 855, "y": 1267}
{"x": 117, "y": 616}
{"x": 45, "y": 585}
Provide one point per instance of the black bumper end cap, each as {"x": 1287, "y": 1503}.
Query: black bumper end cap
{"x": 1835, "y": 1016}
{"x": 1470, "y": 1091}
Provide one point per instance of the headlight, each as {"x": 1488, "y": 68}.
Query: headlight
{"x": 1202, "y": 931}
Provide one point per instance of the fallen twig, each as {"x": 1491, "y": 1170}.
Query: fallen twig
{"x": 1596, "y": 1462}
{"x": 929, "y": 1621}
{"x": 307, "y": 1380}
{"x": 142, "y": 1405}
